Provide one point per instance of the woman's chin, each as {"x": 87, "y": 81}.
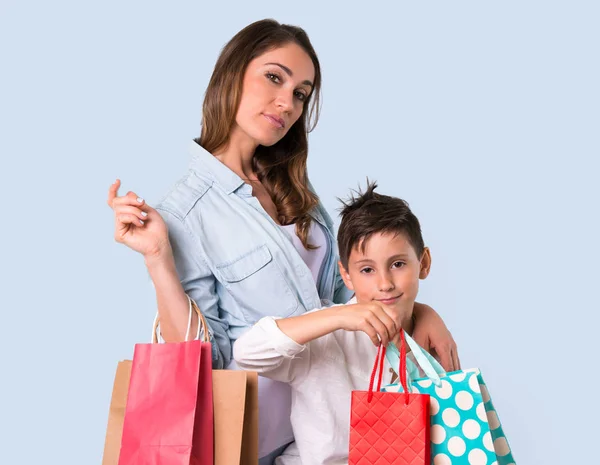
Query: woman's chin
{"x": 268, "y": 141}
{"x": 269, "y": 137}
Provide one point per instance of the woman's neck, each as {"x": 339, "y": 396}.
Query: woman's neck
{"x": 237, "y": 155}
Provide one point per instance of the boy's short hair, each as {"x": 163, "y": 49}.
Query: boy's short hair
{"x": 370, "y": 213}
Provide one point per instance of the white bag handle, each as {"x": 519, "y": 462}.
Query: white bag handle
{"x": 431, "y": 367}
{"x": 202, "y": 324}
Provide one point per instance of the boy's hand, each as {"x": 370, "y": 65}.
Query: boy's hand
{"x": 372, "y": 319}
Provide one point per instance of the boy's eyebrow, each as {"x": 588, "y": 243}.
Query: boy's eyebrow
{"x": 290, "y": 73}
{"x": 400, "y": 255}
{"x": 391, "y": 259}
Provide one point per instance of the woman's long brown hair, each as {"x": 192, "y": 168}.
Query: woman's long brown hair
{"x": 281, "y": 168}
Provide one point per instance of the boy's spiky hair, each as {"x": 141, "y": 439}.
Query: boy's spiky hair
{"x": 368, "y": 213}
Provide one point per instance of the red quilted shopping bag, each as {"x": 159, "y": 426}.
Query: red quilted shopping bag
{"x": 389, "y": 428}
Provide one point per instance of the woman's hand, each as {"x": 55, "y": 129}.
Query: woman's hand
{"x": 431, "y": 333}
{"x": 137, "y": 225}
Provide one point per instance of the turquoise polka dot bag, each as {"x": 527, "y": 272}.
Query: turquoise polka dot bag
{"x": 465, "y": 429}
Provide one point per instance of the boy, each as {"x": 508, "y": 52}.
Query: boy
{"x": 325, "y": 354}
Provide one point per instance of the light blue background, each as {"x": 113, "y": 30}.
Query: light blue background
{"x": 483, "y": 115}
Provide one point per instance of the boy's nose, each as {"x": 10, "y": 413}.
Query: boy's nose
{"x": 385, "y": 283}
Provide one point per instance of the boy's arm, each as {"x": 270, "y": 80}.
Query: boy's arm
{"x": 312, "y": 325}
{"x": 271, "y": 346}
{"x": 264, "y": 348}
{"x": 379, "y": 324}
{"x": 279, "y": 348}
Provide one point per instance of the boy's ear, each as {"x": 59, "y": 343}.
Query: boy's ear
{"x": 345, "y": 276}
{"x": 425, "y": 263}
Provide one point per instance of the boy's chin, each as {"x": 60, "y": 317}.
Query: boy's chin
{"x": 403, "y": 313}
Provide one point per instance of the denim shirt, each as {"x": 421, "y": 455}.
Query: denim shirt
{"x": 234, "y": 260}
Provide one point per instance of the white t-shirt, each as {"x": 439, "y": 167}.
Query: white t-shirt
{"x": 312, "y": 257}
{"x": 322, "y": 375}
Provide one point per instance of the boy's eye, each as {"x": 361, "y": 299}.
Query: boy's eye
{"x": 367, "y": 270}
{"x": 398, "y": 264}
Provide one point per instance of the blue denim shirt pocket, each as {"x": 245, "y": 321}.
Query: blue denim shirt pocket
{"x": 255, "y": 281}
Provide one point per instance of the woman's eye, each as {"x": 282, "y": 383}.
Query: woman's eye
{"x": 300, "y": 96}
{"x": 273, "y": 77}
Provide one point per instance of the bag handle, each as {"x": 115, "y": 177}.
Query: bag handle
{"x": 202, "y": 324}
{"x": 425, "y": 360}
{"x": 381, "y": 355}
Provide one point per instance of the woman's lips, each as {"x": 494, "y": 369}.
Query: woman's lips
{"x": 275, "y": 121}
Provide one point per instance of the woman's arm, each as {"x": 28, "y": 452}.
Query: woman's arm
{"x": 172, "y": 302}
{"x": 173, "y": 261}
{"x": 184, "y": 271}
{"x": 142, "y": 229}
{"x": 431, "y": 333}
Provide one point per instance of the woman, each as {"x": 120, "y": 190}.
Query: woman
{"x": 242, "y": 233}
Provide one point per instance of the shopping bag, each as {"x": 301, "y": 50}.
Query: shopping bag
{"x": 116, "y": 414}
{"x": 388, "y": 428}
{"x": 235, "y": 404}
{"x": 465, "y": 428}
{"x": 235, "y": 411}
{"x": 235, "y": 398}
{"x": 169, "y": 411}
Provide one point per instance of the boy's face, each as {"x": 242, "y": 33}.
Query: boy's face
{"x": 388, "y": 270}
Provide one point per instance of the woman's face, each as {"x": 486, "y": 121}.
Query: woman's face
{"x": 275, "y": 88}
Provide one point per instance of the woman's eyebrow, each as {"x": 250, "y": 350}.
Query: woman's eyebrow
{"x": 289, "y": 72}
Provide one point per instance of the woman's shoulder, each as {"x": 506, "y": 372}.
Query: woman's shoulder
{"x": 320, "y": 214}
{"x": 184, "y": 194}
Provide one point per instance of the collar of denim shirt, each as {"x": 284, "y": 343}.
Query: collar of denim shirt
{"x": 205, "y": 162}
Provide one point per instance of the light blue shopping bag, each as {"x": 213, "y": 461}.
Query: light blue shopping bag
{"x": 465, "y": 429}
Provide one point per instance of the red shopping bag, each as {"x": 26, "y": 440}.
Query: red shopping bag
{"x": 169, "y": 412}
{"x": 389, "y": 429}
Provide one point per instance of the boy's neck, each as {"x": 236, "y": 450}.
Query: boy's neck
{"x": 408, "y": 324}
